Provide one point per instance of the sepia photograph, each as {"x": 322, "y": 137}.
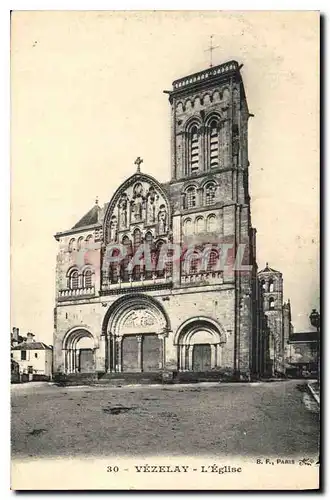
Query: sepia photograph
{"x": 165, "y": 241}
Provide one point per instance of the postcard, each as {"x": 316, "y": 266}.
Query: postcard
{"x": 165, "y": 250}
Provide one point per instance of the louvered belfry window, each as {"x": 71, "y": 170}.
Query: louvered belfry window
{"x": 214, "y": 144}
{"x": 194, "y": 149}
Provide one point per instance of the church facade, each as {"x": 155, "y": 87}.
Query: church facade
{"x": 163, "y": 277}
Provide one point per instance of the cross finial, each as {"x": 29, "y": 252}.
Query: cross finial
{"x": 211, "y": 49}
{"x": 97, "y": 200}
{"x": 138, "y": 162}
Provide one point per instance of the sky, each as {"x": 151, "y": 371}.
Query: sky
{"x": 87, "y": 99}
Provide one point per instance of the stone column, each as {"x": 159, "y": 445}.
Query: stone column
{"x": 200, "y": 196}
{"x": 66, "y": 361}
{"x": 182, "y": 357}
{"x": 173, "y": 140}
{"x": 109, "y": 353}
{"x": 113, "y": 349}
{"x": 185, "y": 157}
{"x": 213, "y": 356}
{"x": 176, "y": 268}
{"x": 190, "y": 356}
{"x": 203, "y": 153}
{"x": 162, "y": 351}
{"x": 119, "y": 341}
{"x": 139, "y": 345}
{"x": 227, "y": 145}
{"x": 71, "y": 360}
{"x": 219, "y": 355}
{"x": 76, "y": 359}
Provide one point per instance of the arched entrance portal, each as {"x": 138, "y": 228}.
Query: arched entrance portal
{"x": 135, "y": 328}
{"x": 79, "y": 349}
{"x": 199, "y": 343}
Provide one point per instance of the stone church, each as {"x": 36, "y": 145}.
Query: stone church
{"x": 184, "y": 315}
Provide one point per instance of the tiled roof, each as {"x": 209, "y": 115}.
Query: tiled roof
{"x": 304, "y": 337}
{"x": 91, "y": 217}
{"x": 268, "y": 269}
{"x": 33, "y": 346}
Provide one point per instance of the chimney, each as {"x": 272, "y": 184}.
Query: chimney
{"x": 15, "y": 334}
{"x": 29, "y": 336}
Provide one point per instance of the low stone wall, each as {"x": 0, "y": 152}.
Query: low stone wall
{"x": 63, "y": 379}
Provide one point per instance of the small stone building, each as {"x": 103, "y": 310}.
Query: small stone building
{"x": 32, "y": 357}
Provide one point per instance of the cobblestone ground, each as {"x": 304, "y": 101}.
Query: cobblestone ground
{"x": 256, "y": 419}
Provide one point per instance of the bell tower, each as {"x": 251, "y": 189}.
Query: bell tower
{"x": 209, "y": 128}
{"x": 209, "y": 192}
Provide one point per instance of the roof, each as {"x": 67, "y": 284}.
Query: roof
{"x": 304, "y": 337}
{"x": 91, "y": 217}
{"x": 31, "y": 346}
{"x": 268, "y": 269}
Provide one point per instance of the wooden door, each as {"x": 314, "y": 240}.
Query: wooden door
{"x": 150, "y": 353}
{"x": 86, "y": 361}
{"x": 130, "y": 360}
{"x": 201, "y": 357}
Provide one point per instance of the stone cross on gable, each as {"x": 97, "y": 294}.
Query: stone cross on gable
{"x": 138, "y": 162}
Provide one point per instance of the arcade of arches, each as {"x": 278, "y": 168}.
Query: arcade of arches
{"x": 135, "y": 334}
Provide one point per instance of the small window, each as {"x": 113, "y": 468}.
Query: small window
{"x": 89, "y": 241}
{"x": 213, "y": 261}
{"x": 211, "y": 224}
{"x": 71, "y": 245}
{"x": 271, "y": 303}
{"x": 188, "y": 227}
{"x": 35, "y": 354}
{"x": 191, "y": 197}
{"x": 87, "y": 278}
{"x": 271, "y": 285}
{"x": 23, "y": 355}
{"x": 194, "y": 264}
{"x": 209, "y": 194}
{"x": 199, "y": 224}
{"x": 74, "y": 280}
{"x": 79, "y": 243}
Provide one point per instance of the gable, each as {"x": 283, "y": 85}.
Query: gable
{"x": 138, "y": 202}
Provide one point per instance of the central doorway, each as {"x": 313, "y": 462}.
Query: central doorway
{"x": 141, "y": 353}
{"x": 201, "y": 361}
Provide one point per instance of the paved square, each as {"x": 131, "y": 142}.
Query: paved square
{"x": 261, "y": 419}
